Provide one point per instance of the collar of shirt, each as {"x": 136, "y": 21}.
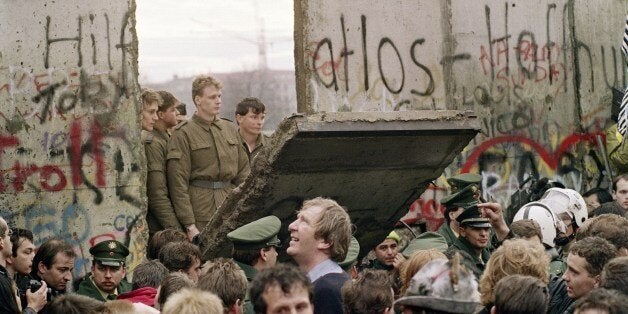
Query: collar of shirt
{"x": 323, "y": 268}
{"x": 206, "y": 124}
{"x": 102, "y": 293}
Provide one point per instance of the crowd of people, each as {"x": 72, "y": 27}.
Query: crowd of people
{"x": 560, "y": 252}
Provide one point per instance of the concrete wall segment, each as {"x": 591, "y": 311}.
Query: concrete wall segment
{"x": 70, "y": 152}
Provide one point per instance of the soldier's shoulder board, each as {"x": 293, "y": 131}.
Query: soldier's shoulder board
{"x": 182, "y": 123}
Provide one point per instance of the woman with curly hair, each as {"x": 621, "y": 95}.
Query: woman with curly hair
{"x": 513, "y": 257}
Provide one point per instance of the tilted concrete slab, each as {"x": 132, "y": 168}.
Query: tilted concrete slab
{"x": 373, "y": 163}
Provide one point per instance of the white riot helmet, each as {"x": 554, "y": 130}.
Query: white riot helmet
{"x": 550, "y": 225}
{"x": 566, "y": 204}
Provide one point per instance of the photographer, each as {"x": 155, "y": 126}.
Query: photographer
{"x": 53, "y": 264}
{"x": 8, "y": 297}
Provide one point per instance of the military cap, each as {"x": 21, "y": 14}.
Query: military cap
{"x": 352, "y": 253}
{"x": 425, "y": 241}
{"x": 472, "y": 216}
{"x": 463, "y": 180}
{"x": 470, "y": 194}
{"x": 109, "y": 253}
{"x": 255, "y": 235}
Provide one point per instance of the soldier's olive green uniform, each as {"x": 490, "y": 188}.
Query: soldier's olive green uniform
{"x": 160, "y": 214}
{"x": 425, "y": 241}
{"x": 205, "y": 162}
{"x": 262, "y": 140}
{"x": 254, "y": 236}
{"x": 470, "y": 259}
{"x": 445, "y": 231}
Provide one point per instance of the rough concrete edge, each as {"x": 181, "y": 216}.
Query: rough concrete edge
{"x": 415, "y": 115}
{"x": 236, "y": 205}
{"x": 139, "y": 226}
{"x": 300, "y": 46}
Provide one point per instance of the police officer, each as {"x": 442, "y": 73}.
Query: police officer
{"x": 255, "y": 248}
{"x": 107, "y": 279}
{"x": 482, "y": 228}
{"x": 205, "y": 160}
{"x": 456, "y": 201}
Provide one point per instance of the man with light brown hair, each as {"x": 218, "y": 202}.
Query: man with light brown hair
{"x": 527, "y": 229}
{"x": 160, "y": 214}
{"x": 150, "y": 102}
{"x": 225, "y": 279}
{"x": 319, "y": 240}
{"x": 371, "y": 293}
{"x": 193, "y": 301}
{"x": 205, "y": 160}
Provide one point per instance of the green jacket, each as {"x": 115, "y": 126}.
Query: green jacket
{"x": 160, "y": 214}
{"x": 249, "y": 272}
{"x": 446, "y": 232}
{"x": 469, "y": 258}
{"x": 203, "y": 151}
{"x": 262, "y": 140}
{"x": 88, "y": 288}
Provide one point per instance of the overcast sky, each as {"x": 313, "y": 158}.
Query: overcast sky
{"x": 188, "y": 37}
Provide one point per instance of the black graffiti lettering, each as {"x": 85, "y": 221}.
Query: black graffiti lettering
{"x": 50, "y": 41}
{"x": 533, "y": 47}
{"x": 382, "y": 42}
{"x": 345, "y": 52}
{"x": 333, "y": 82}
{"x": 430, "y": 85}
{"x": 364, "y": 54}
{"x": 67, "y": 101}
{"x": 48, "y": 94}
{"x": 550, "y": 43}
{"x": 610, "y": 84}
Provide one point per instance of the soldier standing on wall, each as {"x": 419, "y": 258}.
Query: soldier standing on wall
{"x": 205, "y": 159}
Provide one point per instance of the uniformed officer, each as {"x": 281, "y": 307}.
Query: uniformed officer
{"x": 349, "y": 264}
{"x": 160, "y": 214}
{"x": 250, "y": 115}
{"x": 255, "y": 248}
{"x": 456, "y": 200}
{"x": 482, "y": 229}
{"x": 107, "y": 279}
{"x": 205, "y": 159}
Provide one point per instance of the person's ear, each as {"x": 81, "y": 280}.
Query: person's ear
{"x": 263, "y": 254}
{"x": 493, "y": 310}
{"x": 323, "y": 245}
{"x": 597, "y": 281}
{"x": 239, "y": 119}
{"x": 41, "y": 267}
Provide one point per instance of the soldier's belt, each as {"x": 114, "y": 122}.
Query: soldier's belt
{"x": 215, "y": 185}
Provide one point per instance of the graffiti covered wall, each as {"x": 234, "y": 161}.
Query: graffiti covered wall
{"x": 538, "y": 74}
{"x": 69, "y": 131}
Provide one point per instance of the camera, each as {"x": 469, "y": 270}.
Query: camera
{"x": 33, "y": 285}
